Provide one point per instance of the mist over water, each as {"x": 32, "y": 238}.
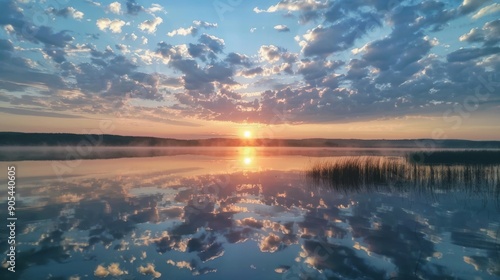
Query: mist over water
{"x": 19, "y": 153}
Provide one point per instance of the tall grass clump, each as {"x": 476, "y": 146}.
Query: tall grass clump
{"x": 356, "y": 172}
{"x": 399, "y": 173}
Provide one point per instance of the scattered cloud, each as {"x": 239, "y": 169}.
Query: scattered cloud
{"x": 113, "y": 270}
{"x": 182, "y": 31}
{"x": 149, "y": 26}
{"x": 293, "y": 6}
{"x": 155, "y": 8}
{"x": 491, "y": 9}
{"x": 337, "y": 37}
{"x": 66, "y": 12}
{"x": 348, "y": 61}
{"x": 149, "y": 269}
{"x": 469, "y": 6}
{"x": 282, "y": 28}
{"x": 489, "y": 35}
{"x": 101, "y": 271}
{"x": 308, "y": 9}
{"x": 204, "y": 24}
{"x": 270, "y": 243}
{"x": 115, "y": 26}
{"x": 115, "y": 8}
{"x": 192, "y": 30}
{"x": 123, "y": 48}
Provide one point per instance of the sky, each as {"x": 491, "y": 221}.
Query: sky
{"x": 367, "y": 69}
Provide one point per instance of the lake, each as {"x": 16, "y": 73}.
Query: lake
{"x": 242, "y": 213}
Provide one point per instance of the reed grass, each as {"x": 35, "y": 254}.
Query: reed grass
{"x": 397, "y": 173}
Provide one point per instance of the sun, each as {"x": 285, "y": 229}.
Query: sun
{"x": 247, "y": 160}
{"x": 247, "y": 134}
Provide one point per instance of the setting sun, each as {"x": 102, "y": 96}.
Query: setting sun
{"x": 247, "y": 134}
{"x": 247, "y": 160}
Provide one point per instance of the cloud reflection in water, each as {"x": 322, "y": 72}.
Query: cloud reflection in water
{"x": 152, "y": 224}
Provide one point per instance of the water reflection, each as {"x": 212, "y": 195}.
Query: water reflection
{"x": 248, "y": 155}
{"x": 265, "y": 224}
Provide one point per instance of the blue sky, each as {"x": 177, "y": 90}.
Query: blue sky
{"x": 362, "y": 68}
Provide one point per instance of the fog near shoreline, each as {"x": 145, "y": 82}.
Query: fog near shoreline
{"x": 21, "y": 153}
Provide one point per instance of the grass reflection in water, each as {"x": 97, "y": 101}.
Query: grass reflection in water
{"x": 403, "y": 174}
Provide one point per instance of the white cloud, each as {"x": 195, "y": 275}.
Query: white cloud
{"x": 359, "y": 50}
{"x": 473, "y": 33}
{"x": 469, "y": 6}
{"x": 433, "y": 41}
{"x": 156, "y": 8}
{"x": 147, "y": 56}
{"x": 258, "y": 11}
{"x": 114, "y": 25}
{"x": 9, "y": 28}
{"x": 252, "y": 30}
{"x": 204, "y": 24}
{"x": 182, "y": 31}
{"x": 115, "y": 8}
{"x": 149, "y": 26}
{"x": 493, "y": 8}
{"x": 94, "y": 3}
{"x": 123, "y": 48}
{"x": 75, "y": 14}
{"x": 281, "y": 28}
{"x": 293, "y": 5}
{"x": 269, "y": 53}
{"x": 193, "y": 30}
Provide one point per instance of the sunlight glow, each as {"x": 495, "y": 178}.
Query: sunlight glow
{"x": 247, "y": 160}
{"x": 247, "y": 134}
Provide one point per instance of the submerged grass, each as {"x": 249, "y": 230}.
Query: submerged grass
{"x": 400, "y": 174}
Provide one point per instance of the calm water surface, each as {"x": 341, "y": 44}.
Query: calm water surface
{"x": 241, "y": 213}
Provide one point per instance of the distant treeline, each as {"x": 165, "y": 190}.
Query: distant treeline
{"x": 66, "y": 139}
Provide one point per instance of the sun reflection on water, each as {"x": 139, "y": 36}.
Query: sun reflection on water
{"x": 248, "y": 156}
